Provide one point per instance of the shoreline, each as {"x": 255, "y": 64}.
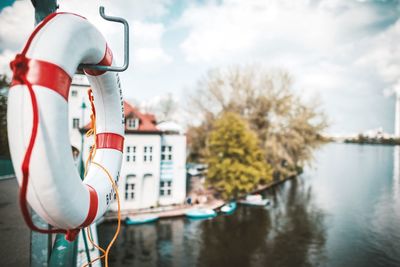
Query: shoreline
{"x": 179, "y": 211}
{"x": 273, "y": 184}
{"x": 163, "y": 212}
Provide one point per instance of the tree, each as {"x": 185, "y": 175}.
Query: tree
{"x": 165, "y": 107}
{"x": 4, "y": 84}
{"x": 235, "y": 161}
{"x": 288, "y": 127}
{"x": 197, "y": 140}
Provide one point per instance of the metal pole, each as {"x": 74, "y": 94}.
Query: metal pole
{"x": 40, "y": 249}
{"x": 43, "y": 8}
{"x": 64, "y": 253}
{"x": 87, "y": 252}
{"x": 82, "y": 132}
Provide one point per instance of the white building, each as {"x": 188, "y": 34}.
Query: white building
{"x": 153, "y": 170}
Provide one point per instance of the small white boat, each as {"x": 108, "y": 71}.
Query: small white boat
{"x": 141, "y": 219}
{"x": 201, "y": 213}
{"x": 229, "y": 207}
{"x": 255, "y": 200}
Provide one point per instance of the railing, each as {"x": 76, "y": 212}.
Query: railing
{"x": 6, "y": 168}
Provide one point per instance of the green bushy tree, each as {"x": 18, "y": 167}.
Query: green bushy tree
{"x": 235, "y": 161}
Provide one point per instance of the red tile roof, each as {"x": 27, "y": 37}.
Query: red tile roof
{"x": 147, "y": 122}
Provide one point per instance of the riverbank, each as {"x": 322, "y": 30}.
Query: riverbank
{"x": 163, "y": 212}
{"x": 373, "y": 141}
{"x": 271, "y": 185}
{"x": 180, "y": 210}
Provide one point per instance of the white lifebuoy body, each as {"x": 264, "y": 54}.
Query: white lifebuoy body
{"x": 55, "y": 189}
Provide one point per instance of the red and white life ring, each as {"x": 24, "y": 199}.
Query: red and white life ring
{"x": 49, "y": 60}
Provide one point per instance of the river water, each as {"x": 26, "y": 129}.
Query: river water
{"x": 343, "y": 211}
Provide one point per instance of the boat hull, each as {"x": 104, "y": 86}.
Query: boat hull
{"x": 258, "y": 203}
{"x": 200, "y": 214}
{"x": 229, "y": 208}
{"x": 138, "y": 221}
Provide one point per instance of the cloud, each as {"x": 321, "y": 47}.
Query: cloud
{"x": 146, "y": 30}
{"x": 147, "y": 39}
{"x": 218, "y": 31}
{"x": 17, "y": 22}
{"x": 14, "y": 28}
{"x": 5, "y": 57}
{"x": 14, "y": 31}
{"x": 384, "y": 55}
{"x": 344, "y": 50}
{"x": 131, "y": 9}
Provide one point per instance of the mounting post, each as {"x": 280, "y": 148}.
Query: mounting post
{"x": 43, "y": 8}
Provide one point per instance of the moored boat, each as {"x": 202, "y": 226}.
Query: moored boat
{"x": 200, "y": 213}
{"x": 141, "y": 219}
{"x": 255, "y": 200}
{"x": 229, "y": 207}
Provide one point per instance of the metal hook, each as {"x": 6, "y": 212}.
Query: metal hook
{"x": 126, "y": 46}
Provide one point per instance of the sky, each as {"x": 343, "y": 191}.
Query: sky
{"x": 345, "y": 52}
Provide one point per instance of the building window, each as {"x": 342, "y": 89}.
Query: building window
{"x": 148, "y": 154}
{"x": 130, "y": 187}
{"x": 132, "y": 123}
{"x": 166, "y": 153}
{"x": 74, "y": 93}
{"x": 165, "y": 188}
{"x": 75, "y": 123}
{"x": 131, "y": 153}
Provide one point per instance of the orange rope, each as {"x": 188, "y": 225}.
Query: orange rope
{"x": 89, "y": 235}
{"x": 119, "y": 212}
{"x": 92, "y": 153}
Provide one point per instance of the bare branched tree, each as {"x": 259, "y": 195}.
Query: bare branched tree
{"x": 288, "y": 127}
{"x": 164, "y": 108}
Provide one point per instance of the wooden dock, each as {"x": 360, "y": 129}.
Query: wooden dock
{"x": 164, "y": 212}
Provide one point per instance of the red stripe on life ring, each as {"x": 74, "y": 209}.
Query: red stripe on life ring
{"x": 106, "y": 61}
{"x": 110, "y": 140}
{"x": 45, "y": 74}
{"x": 93, "y": 206}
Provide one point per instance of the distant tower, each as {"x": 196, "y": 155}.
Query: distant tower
{"x": 397, "y": 115}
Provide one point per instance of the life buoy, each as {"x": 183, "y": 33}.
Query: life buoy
{"x": 39, "y": 112}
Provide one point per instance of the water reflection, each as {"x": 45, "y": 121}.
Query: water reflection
{"x": 297, "y": 235}
{"x": 343, "y": 212}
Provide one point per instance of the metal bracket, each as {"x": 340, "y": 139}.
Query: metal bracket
{"x": 126, "y": 46}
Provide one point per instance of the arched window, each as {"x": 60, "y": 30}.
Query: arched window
{"x": 147, "y": 175}
{"x": 130, "y": 187}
